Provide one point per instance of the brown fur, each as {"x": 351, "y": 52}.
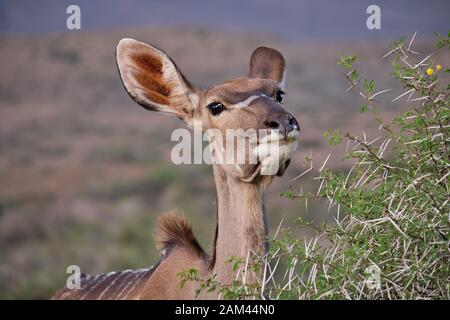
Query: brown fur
{"x": 173, "y": 230}
{"x": 156, "y": 97}
{"x": 267, "y": 63}
{"x": 149, "y": 63}
{"x": 150, "y": 83}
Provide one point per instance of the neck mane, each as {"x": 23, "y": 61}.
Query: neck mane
{"x": 241, "y": 223}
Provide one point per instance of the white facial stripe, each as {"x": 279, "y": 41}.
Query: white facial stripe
{"x": 283, "y": 80}
{"x": 247, "y": 101}
{"x": 194, "y": 100}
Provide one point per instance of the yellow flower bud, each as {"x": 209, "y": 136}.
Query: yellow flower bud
{"x": 430, "y": 71}
{"x": 438, "y": 67}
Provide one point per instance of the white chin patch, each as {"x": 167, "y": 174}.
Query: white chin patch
{"x": 273, "y": 156}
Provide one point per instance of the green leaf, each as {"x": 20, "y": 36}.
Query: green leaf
{"x": 334, "y": 138}
{"x": 369, "y": 86}
{"x": 347, "y": 62}
{"x": 364, "y": 108}
{"x": 354, "y": 76}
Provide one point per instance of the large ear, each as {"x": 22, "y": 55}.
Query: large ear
{"x": 153, "y": 80}
{"x": 267, "y": 63}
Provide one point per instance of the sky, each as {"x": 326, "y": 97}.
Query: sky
{"x": 295, "y": 20}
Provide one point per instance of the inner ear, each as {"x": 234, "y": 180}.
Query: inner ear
{"x": 267, "y": 63}
{"x": 153, "y": 80}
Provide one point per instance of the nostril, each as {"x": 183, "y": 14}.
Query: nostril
{"x": 273, "y": 124}
{"x": 292, "y": 123}
{"x": 291, "y": 120}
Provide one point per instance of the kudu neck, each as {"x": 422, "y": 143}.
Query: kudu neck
{"x": 241, "y": 222}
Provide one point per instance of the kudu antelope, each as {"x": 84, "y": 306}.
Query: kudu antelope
{"x": 153, "y": 80}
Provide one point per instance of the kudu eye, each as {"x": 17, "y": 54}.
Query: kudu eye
{"x": 216, "y": 108}
{"x": 279, "y": 95}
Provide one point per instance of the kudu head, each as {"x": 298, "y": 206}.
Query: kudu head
{"x": 253, "y": 102}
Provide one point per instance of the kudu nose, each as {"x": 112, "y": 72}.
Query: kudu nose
{"x": 285, "y": 123}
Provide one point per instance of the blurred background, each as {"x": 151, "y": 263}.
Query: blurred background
{"x": 84, "y": 171}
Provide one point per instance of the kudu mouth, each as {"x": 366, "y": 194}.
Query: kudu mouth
{"x": 274, "y": 152}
